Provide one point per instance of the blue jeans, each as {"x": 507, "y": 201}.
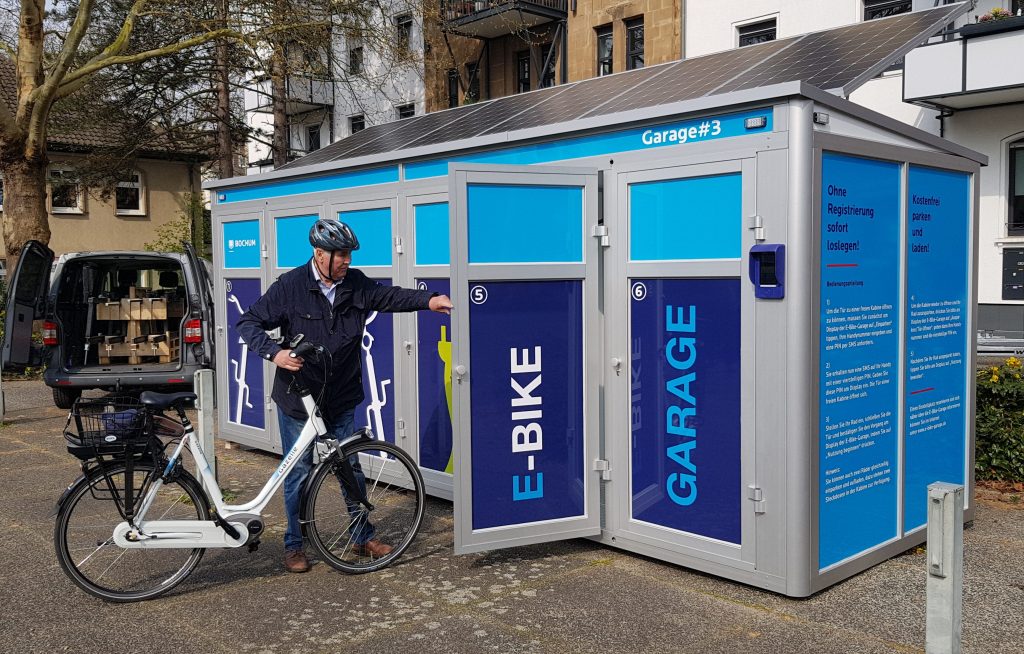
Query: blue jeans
{"x": 340, "y": 428}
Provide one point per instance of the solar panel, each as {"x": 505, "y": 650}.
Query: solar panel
{"x": 692, "y": 78}
{"x": 490, "y": 114}
{"x": 338, "y": 149}
{"x": 577, "y": 99}
{"x": 839, "y": 58}
{"x": 835, "y": 58}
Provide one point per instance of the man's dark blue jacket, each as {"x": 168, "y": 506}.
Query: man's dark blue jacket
{"x": 296, "y": 304}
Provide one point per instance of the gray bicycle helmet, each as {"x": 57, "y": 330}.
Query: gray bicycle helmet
{"x": 331, "y": 235}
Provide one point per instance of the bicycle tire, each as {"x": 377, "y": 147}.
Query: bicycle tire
{"x": 394, "y": 486}
{"x": 91, "y": 493}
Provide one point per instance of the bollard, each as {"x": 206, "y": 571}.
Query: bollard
{"x": 203, "y": 384}
{"x": 945, "y": 568}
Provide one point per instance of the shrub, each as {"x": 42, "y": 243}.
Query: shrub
{"x": 1000, "y": 422}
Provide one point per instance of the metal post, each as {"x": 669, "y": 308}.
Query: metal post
{"x": 945, "y": 568}
{"x": 203, "y": 384}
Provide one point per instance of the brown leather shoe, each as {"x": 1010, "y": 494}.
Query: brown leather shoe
{"x": 373, "y": 548}
{"x": 296, "y": 561}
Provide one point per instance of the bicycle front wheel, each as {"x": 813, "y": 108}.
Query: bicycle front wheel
{"x": 339, "y": 528}
{"x": 83, "y": 535}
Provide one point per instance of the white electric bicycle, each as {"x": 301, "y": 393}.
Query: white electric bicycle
{"x": 136, "y": 523}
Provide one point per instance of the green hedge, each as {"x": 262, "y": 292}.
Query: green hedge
{"x": 1000, "y": 422}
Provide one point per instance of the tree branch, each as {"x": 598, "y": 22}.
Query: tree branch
{"x": 140, "y": 57}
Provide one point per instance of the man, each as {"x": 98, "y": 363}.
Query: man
{"x": 329, "y": 303}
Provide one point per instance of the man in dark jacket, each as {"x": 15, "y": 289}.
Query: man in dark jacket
{"x": 329, "y": 303}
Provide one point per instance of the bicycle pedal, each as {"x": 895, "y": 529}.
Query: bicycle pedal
{"x": 253, "y": 546}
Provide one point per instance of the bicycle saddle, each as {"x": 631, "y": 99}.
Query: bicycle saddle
{"x": 164, "y": 400}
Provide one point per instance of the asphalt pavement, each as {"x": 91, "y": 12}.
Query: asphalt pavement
{"x": 575, "y": 596}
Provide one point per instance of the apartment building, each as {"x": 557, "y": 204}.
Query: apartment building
{"x": 371, "y": 77}
{"x": 485, "y": 49}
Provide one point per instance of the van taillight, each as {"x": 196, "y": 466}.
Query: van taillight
{"x": 194, "y": 331}
{"x": 50, "y": 333}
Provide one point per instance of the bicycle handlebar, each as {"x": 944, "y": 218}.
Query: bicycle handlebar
{"x": 304, "y": 348}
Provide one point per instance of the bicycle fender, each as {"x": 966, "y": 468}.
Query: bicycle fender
{"x": 88, "y": 473}
{"x": 64, "y": 496}
{"x": 305, "y": 487}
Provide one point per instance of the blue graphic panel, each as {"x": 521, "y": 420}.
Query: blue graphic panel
{"x": 432, "y": 241}
{"x": 309, "y": 185}
{"x": 292, "y": 235}
{"x": 935, "y": 443}
{"x": 373, "y": 229}
{"x": 434, "y": 382}
{"x": 377, "y": 410}
{"x": 685, "y": 406}
{"x": 526, "y": 348}
{"x": 245, "y": 368}
{"x": 242, "y": 244}
{"x": 525, "y": 224}
{"x": 859, "y": 342}
{"x": 688, "y": 131}
{"x": 693, "y": 218}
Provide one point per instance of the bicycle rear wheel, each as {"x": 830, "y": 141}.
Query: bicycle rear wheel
{"x": 337, "y": 528}
{"x": 83, "y": 535}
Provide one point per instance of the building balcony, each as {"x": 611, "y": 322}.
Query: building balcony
{"x": 981, "y": 67}
{"x": 303, "y": 93}
{"x": 488, "y": 19}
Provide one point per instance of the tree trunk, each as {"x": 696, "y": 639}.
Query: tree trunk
{"x": 225, "y": 146}
{"x": 25, "y": 214}
{"x": 278, "y": 91}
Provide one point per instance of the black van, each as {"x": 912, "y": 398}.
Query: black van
{"x": 124, "y": 321}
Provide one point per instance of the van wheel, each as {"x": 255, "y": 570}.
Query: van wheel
{"x": 65, "y": 398}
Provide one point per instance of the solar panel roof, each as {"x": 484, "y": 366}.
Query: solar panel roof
{"x": 838, "y": 59}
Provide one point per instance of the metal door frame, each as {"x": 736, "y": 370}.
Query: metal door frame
{"x": 620, "y": 526}
{"x": 462, "y": 275}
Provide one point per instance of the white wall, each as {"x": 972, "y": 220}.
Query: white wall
{"x": 990, "y": 131}
{"x": 384, "y": 86}
{"x": 885, "y": 95}
{"x": 710, "y": 25}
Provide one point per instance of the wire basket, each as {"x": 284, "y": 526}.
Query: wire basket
{"x": 107, "y": 426}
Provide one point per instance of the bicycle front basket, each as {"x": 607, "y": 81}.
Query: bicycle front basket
{"x": 106, "y": 425}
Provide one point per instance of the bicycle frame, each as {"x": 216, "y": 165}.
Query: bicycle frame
{"x": 158, "y": 533}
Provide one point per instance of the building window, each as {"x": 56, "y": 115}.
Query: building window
{"x": 405, "y": 111}
{"x": 754, "y": 33}
{"x": 356, "y": 123}
{"x": 635, "y": 43}
{"x": 129, "y": 197}
{"x": 403, "y": 33}
{"x": 473, "y": 89}
{"x": 453, "y": 88}
{"x": 1015, "y": 191}
{"x": 312, "y": 138}
{"x": 355, "y": 61}
{"x": 65, "y": 192}
{"x": 604, "y": 50}
{"x": 884, "y": 8}
{"x": 1013, "y": 274}
{"x": 523, "y": 71}
{"x": 548, "y": 78}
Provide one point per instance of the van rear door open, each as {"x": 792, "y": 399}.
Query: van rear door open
{"x": 26, "y": 301}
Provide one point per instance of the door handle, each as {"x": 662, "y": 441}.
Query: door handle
{"x": 460, "y": 372}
